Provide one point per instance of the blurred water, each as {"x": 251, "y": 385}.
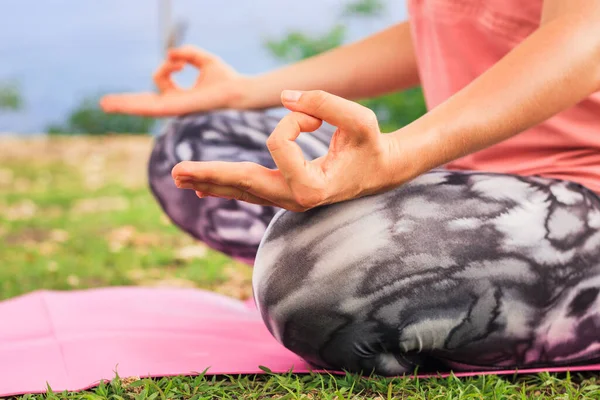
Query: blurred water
{"x": 63, "y": 50}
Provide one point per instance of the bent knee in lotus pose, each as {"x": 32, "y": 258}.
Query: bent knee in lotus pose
{"x": 454, "y": 270}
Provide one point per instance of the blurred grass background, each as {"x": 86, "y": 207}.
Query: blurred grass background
{"x": 76, "y": 212}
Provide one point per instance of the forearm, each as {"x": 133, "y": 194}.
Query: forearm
{"x": 382, "y": 63}
{"x": 552, "y": 70}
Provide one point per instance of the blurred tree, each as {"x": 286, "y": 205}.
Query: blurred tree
{"x": 10, "y": 97}
{"x": 88, "y": 118}
{"x": 298, "y": 45}
{"x": 365, "y": 8}
{"x": 393, "y": 110}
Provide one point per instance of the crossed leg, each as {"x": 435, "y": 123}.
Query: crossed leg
{"x": 454, "y": 270}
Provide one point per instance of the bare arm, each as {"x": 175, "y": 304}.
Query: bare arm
{"x": 552, "y": 70}
{"x": 382, "y": 63}
{"x": 379, "y": 64}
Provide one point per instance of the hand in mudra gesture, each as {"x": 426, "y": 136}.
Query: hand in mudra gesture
{"x": 216, "y": 87}
{"x": 359, "y": 162}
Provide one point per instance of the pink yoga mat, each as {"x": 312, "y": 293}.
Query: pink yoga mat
{"x": 73, "y": 340}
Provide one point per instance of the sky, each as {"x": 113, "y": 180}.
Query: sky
{"x": 60, "y": 51}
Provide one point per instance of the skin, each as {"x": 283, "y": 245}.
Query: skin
{"x": 346, "y": 71}
{"x": 553, "y": 69}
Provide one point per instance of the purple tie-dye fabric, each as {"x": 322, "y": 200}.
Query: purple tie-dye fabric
{"x": 453, "y": 271}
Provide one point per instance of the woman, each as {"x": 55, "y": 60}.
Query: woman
{"x": 491, "y": 262}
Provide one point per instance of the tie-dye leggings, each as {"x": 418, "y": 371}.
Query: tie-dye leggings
{"x": 454, "y": 270}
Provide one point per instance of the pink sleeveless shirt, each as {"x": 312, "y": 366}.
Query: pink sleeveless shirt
{"x": 457, "y": 40}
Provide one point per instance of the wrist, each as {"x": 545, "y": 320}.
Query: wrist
{"x": 414, "y": 151}
{"x": 238, "y": 93}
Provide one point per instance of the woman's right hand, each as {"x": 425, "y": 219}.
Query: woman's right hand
{"x": 217, "y": 86}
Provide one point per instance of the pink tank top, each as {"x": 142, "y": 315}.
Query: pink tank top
{"x": 457, "y": 40}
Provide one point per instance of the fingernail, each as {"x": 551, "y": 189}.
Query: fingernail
{"x": 200, "y": 195}
{"x": 291, "y": 95}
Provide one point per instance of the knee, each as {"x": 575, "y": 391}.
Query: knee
{"x": 174, "y": 144}
{"x": 292, "y": 304}
{"x": 319, "y": 257}
{"x": 184, "y": 138}
{"x": 306, "y": 276}
{"x": 232, "y": 227}
{"x": 223, "y": 135}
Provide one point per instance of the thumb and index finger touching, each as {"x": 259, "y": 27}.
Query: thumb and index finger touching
{"x": 171, "y": 100}
{"x": 337, "y": 111}
{"x": 309, "y": 110}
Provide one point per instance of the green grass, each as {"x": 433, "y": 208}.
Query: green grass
{"x": 290, "y": 386}
{"x": 76, "y": 213}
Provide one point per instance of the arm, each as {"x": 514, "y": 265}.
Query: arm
{"x": 552, "y": 70}
{"x": 379, "y": 64}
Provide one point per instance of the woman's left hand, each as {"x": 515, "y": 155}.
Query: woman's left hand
{"x": 360, "y": 161}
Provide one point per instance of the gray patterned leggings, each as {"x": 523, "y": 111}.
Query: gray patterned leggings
{"x": 454, "y": 270}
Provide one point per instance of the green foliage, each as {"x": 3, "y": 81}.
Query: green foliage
{"x": 365, "y": 8}
{"x": 88, "y": 118}
{"x": 297, "y": 45}
{"x": 397, "y": 109}
{"x": 10, "y": 97}
{"x": 393, "y": 110}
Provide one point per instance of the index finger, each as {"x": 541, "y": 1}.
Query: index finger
{"x": 333, "y": 109}
{"x": 197, "y": 57}
{"x": 162, "y": 76}
{"x": 285, "y": 151}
